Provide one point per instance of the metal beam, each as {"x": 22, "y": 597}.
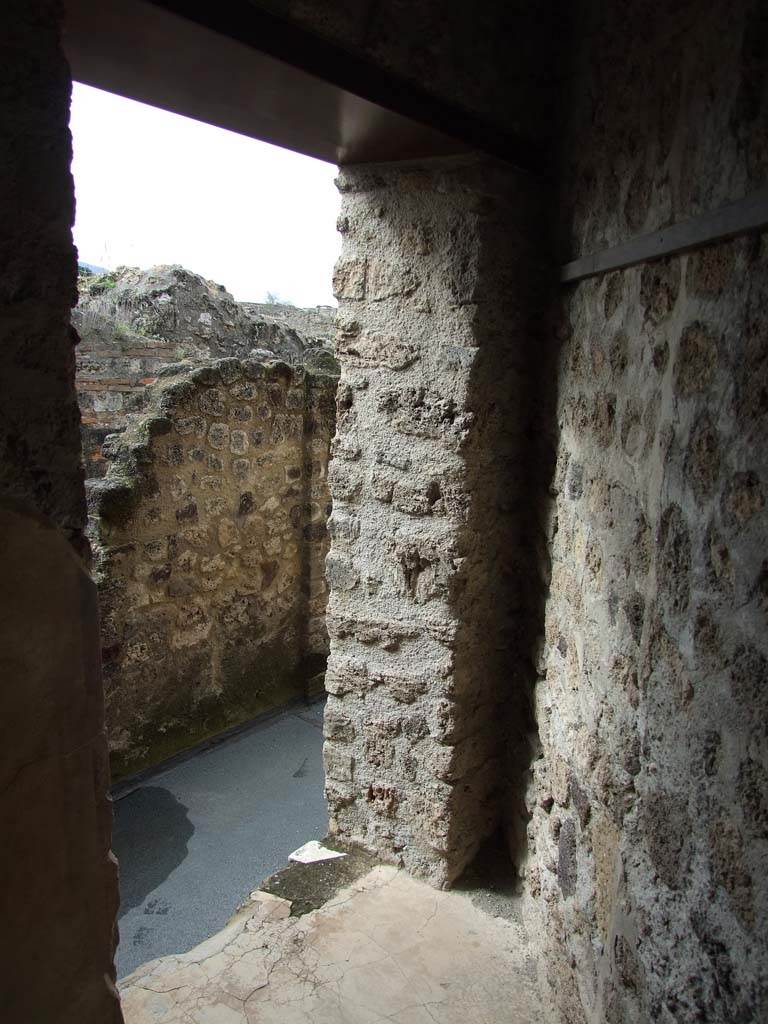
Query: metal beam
{"x": 140, "y": 50}
{"x": 232, "y": 64}
{"x": 248, "y": 23}
{"x": 739, "y": 218}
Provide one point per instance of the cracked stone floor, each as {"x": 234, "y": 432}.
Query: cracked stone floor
{"x": 387, "y": 948}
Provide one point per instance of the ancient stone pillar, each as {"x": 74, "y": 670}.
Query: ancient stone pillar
{"x": 425, "y": 614}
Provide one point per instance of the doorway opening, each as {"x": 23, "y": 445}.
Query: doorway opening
{"x": 206, "y": 382}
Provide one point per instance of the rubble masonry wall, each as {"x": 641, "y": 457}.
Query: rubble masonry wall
{"x": 429, "y": 564}
{"x": 211, "y": 542}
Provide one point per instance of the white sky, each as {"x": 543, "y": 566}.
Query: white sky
{"x": 153, "y": 187}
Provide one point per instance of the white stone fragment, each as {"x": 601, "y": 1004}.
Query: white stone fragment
{"x": 313, "y": 851}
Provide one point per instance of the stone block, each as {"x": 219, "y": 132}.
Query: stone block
{"x": 377, "y": 350}
{"x": 341, "y": 573}
{"x": 349, "y": 279}
{"x": 212, "y": 402}
{"x": 338, "y": 763}
{"x": 218, "y": 435}
{"x": 697, "y": 359}
{"x": 238, "y": 442}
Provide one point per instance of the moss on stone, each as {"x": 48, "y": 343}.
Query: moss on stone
{"x": 246, "y": 694}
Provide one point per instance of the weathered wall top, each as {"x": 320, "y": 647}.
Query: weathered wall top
{"x": 209, "y": 536}
{"x": 200, "y": 317}
{"x": 132, "y": 323}
{"x": 318, "y": 322}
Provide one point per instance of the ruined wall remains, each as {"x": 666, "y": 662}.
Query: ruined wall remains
{"x": 115, "y": 366}
{"x": 649, "y": 835}
{"x": 429, "y": 567}
{"x": 211, "y": 541}
{"x": 133, "y": 323}
{"x": 314, "y": 322}
{"x": 59, "y": 890}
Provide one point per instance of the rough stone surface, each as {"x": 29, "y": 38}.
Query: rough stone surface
{"x": 427, "y": 599}
{"x": 650, "y": 705}
{"x": 388, "y": 948}
{"x": 172, "y": 303}
{"x": 317, "y": 322}
{"x": 647, "y": 831}
{"x": 646, "y": 840}
{"x": 38, "y": 438}
{"x": 58, "y": 898}
{"x": 135, "y": 325}
{"x": 644, "y": 148}
{"x": 210, "y": 539}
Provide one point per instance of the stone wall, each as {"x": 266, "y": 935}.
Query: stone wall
{"x": 647, "y": 833}
{"x": 430, "y": 570}
{"x": 134, "y": 323}
{"x": 314, "y": 322}
{"x": 645, "y": 784}
{"x": 666, "y": 116}
{"x": 59, "y": 890}
{"x": 115, "y": 366}
{"x": 40, "y": 442}
{"x": 648, "y": 802}
{"x": 648, "y": 836}
{"x": 211, "y": 537}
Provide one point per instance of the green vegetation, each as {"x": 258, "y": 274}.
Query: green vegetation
{"x": 103, "y": 283}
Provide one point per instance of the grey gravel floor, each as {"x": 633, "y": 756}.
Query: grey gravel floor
{"x": 194, "y": 839}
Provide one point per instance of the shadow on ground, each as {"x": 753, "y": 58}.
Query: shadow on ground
{"x": 146, "y": 860}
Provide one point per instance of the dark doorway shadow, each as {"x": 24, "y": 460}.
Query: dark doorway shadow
{"x": 149, "y": 839}
{"x": 499, "y": 595}
{"x": 491, "y": 880}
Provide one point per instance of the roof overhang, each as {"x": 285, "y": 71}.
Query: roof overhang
{"x": 227, "y": 66}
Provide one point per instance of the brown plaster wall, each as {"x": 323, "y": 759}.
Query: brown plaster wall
{"x": 211, "y": 537}
{"x": 59, "y": 894}
{"x": 59, "y": 882}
